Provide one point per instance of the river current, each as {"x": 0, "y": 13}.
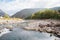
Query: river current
{"x": 21, "y": 34}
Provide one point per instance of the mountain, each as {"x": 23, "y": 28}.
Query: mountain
{"x": 26, "y": 12}
{"x": 56, "y": 8}
{"x": 2, "y": 13}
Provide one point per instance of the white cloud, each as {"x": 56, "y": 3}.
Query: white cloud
{"x": 21, "y": 4}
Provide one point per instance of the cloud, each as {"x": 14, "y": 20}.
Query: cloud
{"x": 6, "y": 0}
{"x": 14, "y": 5}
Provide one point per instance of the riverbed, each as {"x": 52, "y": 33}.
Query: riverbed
{"x": 18, "y": 33}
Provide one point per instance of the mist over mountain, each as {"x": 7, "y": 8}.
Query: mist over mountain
{"x": 26, "y": 12}
{"x": 56, "y": 8}
{"x": 2, "y": 13}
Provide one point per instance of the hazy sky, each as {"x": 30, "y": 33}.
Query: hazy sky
{"x": 12, "y": 6}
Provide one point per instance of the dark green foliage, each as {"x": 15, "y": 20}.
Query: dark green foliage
{"x": 59, "y": 11}
{"x": 46, "y": 14}
{"x": 6, "y": 16}
{"x": 29, "y": 17}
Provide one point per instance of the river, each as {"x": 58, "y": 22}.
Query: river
{"x": 21, "y": 34}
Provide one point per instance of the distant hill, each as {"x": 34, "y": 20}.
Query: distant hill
{"x": 56, "y": 8}
{"x": 26, "y": 12}
{"x": 2, "y": 13}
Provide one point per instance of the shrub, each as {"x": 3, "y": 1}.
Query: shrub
{"x": 6, "y": 16}
{"x": 46, "y": 14}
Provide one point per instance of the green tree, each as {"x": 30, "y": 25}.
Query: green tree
{"x": 46, "y": 14}
{"x": 6, "y": 16}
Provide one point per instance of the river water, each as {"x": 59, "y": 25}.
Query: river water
{"x": 21, "y": 34}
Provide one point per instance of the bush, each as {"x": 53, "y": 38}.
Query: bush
{"x": 29, "y": 17}
{"x": 6, "y": 16}
{"x": 46, "y": 14}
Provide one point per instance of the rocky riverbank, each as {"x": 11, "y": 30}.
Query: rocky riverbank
{"x": 49, "y": 26}
{"x": 9, "y": 24}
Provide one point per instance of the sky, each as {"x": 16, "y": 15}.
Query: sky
{"x": 12, "y": 6}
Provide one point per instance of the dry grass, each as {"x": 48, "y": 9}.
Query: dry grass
{"x": 10, "y": 19}
{"x": 4, "y": 20}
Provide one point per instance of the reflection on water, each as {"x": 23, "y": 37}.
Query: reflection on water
{"x": 20, "y": 34}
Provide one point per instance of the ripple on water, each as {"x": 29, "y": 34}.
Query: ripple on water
{"x": 20, "y": 34}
